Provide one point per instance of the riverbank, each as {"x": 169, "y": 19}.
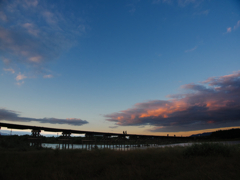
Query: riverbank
{"x": 200, "y": 162}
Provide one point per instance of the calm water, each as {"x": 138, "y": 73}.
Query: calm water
{"x": 127, "y": 147}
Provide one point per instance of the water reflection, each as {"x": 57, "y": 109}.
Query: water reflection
{"x": 124, "y": 147}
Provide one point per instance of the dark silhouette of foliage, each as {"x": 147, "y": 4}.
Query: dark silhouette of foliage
{"x": 226, "y": 134}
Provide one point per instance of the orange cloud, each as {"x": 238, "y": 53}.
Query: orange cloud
{"x": 214, "y": 102}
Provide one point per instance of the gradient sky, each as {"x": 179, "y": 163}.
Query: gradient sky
{"x": 147, "y": 67}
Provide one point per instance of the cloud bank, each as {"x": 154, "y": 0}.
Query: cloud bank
{"x": 213, "y": 103}
{"x": 9, "y": 115}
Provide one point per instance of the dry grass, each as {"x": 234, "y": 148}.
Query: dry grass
{"x": 164, "y": 163}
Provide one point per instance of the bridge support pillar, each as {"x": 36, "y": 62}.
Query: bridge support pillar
{"x": 36, "y": 140}
{"x": 65, "y": 140}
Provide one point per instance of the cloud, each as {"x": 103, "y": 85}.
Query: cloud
{"x": 237, "y": 25}
{"x": 3, "y": 16}
{"x": 181, "y": 3}
{"x": 48, "y": 76}
{"x": 6, "y": 61}
{"x": 113, "y": 127}
{"x": 20, "y": 83}
{"x": 20, "y": 77}
{"x": 36, "y": 59}
{"x": 10, "y": 70}
{"x": 211, "y": 104}
{"x": 229, "y": 29}
{"x": 33, "y": 33}
{"x": 31, "y": 29}
{"x": 184, "y": 3}
{"x": 51, "y": 19}
{"x": 30, "y": 3}
{"x": 190, "y": 50}
{"x": 161, "y": 1}
{"x": 206, "y": 12}
{"x": 9, "y": 115}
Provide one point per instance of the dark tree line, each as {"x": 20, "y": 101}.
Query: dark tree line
{"x": 226, "y": 134}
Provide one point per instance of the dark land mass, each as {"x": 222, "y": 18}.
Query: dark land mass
{"x": 220, "y": 134}
{"x": 200, "y": 161}
{"x": 226, "y": 134}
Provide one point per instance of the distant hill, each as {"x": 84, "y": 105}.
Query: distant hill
{"x": 202, "y": 134}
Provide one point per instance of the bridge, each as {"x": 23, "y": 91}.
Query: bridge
{"x": 87, "y": 133}
{"x": 90, "y": 136}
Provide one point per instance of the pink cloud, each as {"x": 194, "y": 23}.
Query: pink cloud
{"x": 229, "y": 30}
{"x": 214, "y": 102}
{"x": 20, "y": 77}
{"x": 35, "y": 59}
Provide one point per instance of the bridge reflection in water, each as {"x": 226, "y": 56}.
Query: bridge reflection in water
{"x": 118, "y": 147}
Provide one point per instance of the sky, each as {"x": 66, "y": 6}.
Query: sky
{"x": 146, "y": 67}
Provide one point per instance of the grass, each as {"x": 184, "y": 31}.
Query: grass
{"x": 208, "y": 149}
{"x": 195, "y": 162}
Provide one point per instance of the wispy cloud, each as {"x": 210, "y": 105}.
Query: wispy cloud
{"x": 3, "y": 16}
{"x": 35, "y": 34}
{"x": 181, "y": 3}
{"x": 113, "y": 127}
{"x": 229, "y": 29}
{"x": 20, "y": 83}
{"x": 161, "y": 1}
{"x": 6, "y": 61}
{"x": 10, "y": 70}
{"x": 50, "y": 18}
{"x": 20, "y": 77}
{"x": 48, "y": 76}
{"x": 31, "y": 29}
{"x": 132, "y": 6}
{"x": 9, "y": 115}
{"x": 206, "y": 12}
{"x": 237, "y": 25}
{"x": 210, "y": 104}
{"x": 190, "y": 50}
{"x": 36, "y": 59}
{"x": 184, "y": 3}
{"x": 30, "y": 3}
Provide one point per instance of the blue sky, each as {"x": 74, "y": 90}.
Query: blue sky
{"x": 84, "y": 64}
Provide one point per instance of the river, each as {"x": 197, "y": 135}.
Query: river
{"x": 127, "y": 147}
